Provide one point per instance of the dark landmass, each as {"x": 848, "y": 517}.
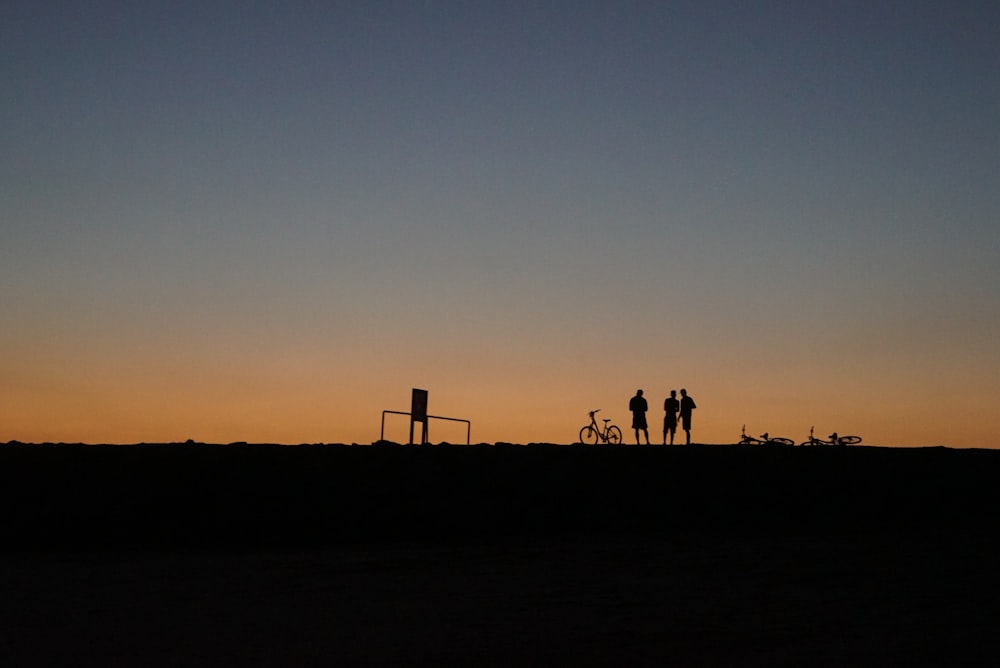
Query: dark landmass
{"x": 213, "y": 496}
{"x": 195, "y": 554}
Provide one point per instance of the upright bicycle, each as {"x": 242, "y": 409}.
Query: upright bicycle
{"x": 592, "y": 433}
{"x": 832, "y": 439}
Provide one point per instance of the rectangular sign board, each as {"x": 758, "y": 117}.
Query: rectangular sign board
{"x": 418, "y": 405}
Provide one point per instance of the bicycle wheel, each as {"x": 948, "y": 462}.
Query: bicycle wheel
{"x": 614, "y": 434}
{"x": 781, "y": 441}
{"x": 588, "y": 435}
{"x": 849, "y": 440}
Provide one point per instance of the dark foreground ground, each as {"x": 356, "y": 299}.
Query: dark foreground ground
{"x": 200, "y": 555}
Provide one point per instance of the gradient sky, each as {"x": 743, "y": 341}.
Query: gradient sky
{"x": 268, "y": 221}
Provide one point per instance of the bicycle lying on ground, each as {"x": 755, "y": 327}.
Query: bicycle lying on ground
{"x": 765, "y": 439}
{"x": 833, "y": 439}
{"x": 591, "y": 433}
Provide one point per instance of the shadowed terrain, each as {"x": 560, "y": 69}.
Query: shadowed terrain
{"x": 544, "y": 554}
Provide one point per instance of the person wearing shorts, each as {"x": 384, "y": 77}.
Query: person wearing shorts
{"x": 670, "y": 407}
{"x": 639, "y": 406}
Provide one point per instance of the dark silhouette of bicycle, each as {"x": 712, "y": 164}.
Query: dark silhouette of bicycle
{"x": 592, "y": 433}
{"x": 832, "y": 439}
{"x": 765, "y": 439}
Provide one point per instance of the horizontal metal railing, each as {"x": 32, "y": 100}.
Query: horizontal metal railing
{"x": 468, "y": 424}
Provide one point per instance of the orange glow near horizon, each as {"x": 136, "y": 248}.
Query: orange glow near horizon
{"x": 304, "y": 419}
{"x": 215, "y": 394}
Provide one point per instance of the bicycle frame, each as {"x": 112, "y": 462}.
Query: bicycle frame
{"x": 592, "y": 433}
{"x": 834, "y": 439}
{"x": 765, "y": 439}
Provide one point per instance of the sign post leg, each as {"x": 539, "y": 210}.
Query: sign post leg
{"x": 418, "y": 413}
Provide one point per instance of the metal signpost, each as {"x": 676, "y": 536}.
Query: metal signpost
{"x": 418, "y": 413}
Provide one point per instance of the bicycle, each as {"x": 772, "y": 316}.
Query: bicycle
{"x": 765, "y": 439}
{"x": 833, "y": 439}
{"x": 591, "y": 433}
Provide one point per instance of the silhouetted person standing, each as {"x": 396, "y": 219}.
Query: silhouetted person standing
{"x": 638, "y": 406}
{"x": 687, "y": 405}
{"x": 670, "y": 407}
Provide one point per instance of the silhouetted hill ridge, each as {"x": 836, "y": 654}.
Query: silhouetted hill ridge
{"x": 196, "y": 495}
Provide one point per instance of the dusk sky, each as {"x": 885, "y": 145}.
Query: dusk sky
{"x": 267, "y": 222}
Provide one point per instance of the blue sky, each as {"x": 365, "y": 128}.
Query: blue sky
{"x": 255, "y": 221}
